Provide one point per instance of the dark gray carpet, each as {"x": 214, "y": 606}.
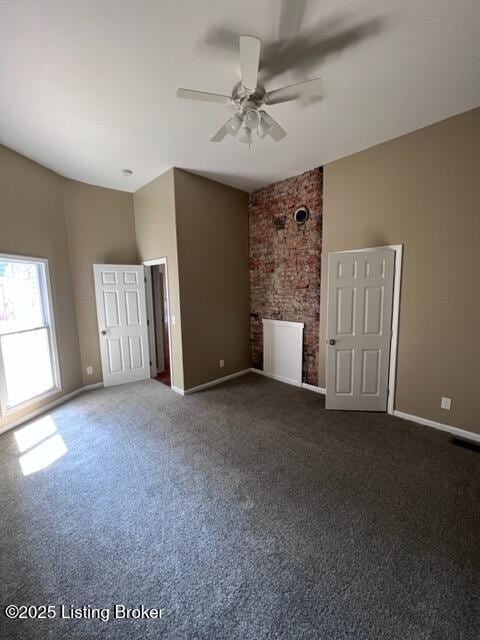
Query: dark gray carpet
{"x": 247, "y": 512}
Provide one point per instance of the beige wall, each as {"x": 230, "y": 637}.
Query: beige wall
{"x": 202, "y": 228}
{"x": 155, "y": 227}
{"x": 32, "y": 223}
{"x": 423, "y": 191}
{"x": 101, "y": 229}
{"x": 76, "y": 225}
{"x": 212, "y": 237}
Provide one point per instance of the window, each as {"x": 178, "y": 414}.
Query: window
{"x": 28, "y": 353}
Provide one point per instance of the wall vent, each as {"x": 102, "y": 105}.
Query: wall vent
{"x": 279, "y": 222}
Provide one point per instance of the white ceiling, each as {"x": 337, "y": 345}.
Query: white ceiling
{"x": 87, "y": 87}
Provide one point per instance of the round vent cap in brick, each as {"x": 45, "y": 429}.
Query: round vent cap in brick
{"x": 301, "y": 215}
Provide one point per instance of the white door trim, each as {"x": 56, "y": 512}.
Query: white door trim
{"x": 153, "y": 263}
{"x": 150, "y": 321}
{"x": 397, "y": 282}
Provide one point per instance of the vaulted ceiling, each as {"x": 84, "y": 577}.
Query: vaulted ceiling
{"x": 88, "y": 88}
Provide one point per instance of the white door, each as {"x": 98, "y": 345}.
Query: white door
{"x": 122, "y": 322}
{"x": 359, "y": 321}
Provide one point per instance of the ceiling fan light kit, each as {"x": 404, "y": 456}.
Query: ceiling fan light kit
{"x": 246, "y": 136}
{"x": 265, "y": 125}
{"x": 235, "y": 123}
{"x": 251, "y": 120}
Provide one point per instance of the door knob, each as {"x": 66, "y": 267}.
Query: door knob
{"x": 332, "y": 342}
{"x": 104, "y": 332}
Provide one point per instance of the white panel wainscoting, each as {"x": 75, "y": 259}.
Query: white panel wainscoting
{"x": 283, "y": 350}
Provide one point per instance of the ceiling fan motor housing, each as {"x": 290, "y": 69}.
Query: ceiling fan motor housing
{"x": 245, "y": 101}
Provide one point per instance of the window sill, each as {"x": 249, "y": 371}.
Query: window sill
{"x": 8, "y": 411}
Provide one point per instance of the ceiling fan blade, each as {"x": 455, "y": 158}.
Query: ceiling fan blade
{"x": 221, "y": 133}
{"x": 272, "y": 128}
{"x": 203, "y": 96}
{"x": 249, "y": 61}
{"x": 294, "y": 91}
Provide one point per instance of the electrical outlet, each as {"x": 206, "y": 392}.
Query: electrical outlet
{"x": 222, "y": 364}
{"x": 446, "y": 403}
{"x": 89, "y": 371}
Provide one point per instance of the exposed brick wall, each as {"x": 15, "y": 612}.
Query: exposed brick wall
{"x": 285, "y": 262}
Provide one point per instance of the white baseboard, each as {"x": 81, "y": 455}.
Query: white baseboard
{"x": 178, "y": 390}
{"x": 90, "y": 387}
{"x": 456, "y": 431}
{"x": 461, "y": 433}
{"x": 303, "y": 385}
{"x": 274, "y": 377}
{"x": 312, "y": 387}
{"x": 48, "y": 407}
{"x": 213, "y": 383}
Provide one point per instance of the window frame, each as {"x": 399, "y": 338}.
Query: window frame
{"x": 49, "y": 324}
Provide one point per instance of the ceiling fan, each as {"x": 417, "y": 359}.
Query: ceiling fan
{"x": 249, "y": 98}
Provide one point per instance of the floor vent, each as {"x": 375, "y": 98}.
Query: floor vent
{"x": 466, "y": 444}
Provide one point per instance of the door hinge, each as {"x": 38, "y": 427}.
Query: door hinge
{"x": 150, "y": 363}
{"x": 144, "y": 278}
{"x": 148, "y": 322}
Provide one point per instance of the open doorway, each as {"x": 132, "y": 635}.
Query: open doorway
{"x": 158, "y": 320}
